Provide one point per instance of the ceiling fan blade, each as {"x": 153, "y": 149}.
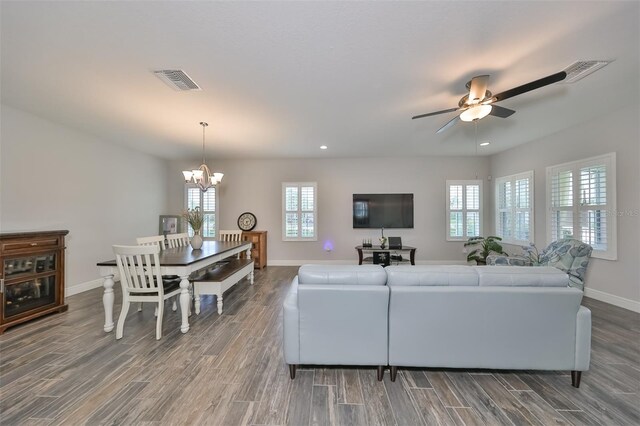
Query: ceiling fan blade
{"x": 451, "y": 122}
{"x": 478, "y": 88}
{"x": 435, "y": 113}
{"x": 545, "y": 81}
{"x": 498, "y": 111}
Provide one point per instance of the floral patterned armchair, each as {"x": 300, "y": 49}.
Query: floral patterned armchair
{"x": 569, "y": 255}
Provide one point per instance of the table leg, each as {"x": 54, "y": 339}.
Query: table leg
{"x": 196, "y": 296}
{"x": 251, "y": 276}
{"x": 107, "y": 302}
{"x": 249, "y": 254}
{"x": 412, "y": 256}
{"x": 184, "y": 303}
{"x": 359, "y": 256}
{"x": 219, "y": 297}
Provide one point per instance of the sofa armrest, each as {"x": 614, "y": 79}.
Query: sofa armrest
{"x": 291, "y": 325}
{"x": 583, "y": 339}
{"x": 496, "y": 259}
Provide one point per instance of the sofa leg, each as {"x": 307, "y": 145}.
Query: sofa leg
{"x": 292, "y": 371}
{"x": 575, "y": 378}
{"x": 394, "y": 373}
{"x": 380, "y": 372}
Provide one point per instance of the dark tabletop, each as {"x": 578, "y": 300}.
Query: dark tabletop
{"x": 183, "y": 256}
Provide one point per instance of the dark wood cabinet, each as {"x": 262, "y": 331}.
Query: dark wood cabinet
{"x": 258, "y": 247}
{"x": 32, "y": 276}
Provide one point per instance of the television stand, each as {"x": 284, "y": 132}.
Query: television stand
{"x": 393, "y": 252}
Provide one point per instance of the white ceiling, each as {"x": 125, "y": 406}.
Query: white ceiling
{"x": 280, "y": 79}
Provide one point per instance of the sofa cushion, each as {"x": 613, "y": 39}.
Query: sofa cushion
{"x": 342, "y": 274}
{"x": 521, "y": 276}
{"x": 431, "y": 275}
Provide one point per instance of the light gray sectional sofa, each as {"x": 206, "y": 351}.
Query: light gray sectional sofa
{"x": 522, "y": 318}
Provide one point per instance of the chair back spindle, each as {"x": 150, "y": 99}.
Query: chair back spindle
{"x": 177, "y": 240}
{"x": 151, "y": 241}
{"x": 230, "y": 236}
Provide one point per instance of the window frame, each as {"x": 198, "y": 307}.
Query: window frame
{"x": 187, "y": 186}
{"x": 511, "y": 179}
{"x": 464, "y": 209}
{"x": 299, "y": 186}
{"x": 609, "y": 161}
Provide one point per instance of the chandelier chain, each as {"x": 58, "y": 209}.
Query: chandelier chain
{"x": 204, "y": 126}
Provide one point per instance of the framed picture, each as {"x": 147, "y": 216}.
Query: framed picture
{"x": 170, "y": 224}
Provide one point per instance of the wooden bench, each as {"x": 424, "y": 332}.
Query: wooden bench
{"x": 220, "y": 279}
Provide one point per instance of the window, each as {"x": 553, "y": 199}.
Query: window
{"x": 194, "y": 197}
{"x": 514, "y": 208}
{"x": 581, "y": 203}
{"x": 299, "y": 211}
{"x": 464, "y": 206}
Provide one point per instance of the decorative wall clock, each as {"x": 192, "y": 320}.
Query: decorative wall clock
{"x": 247, "y": 221}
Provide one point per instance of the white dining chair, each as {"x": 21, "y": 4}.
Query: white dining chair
{"x": 157, "y": 240}
{"x": 177, "y": 240}
{"x": 141, "y": 281}
{"x": 230, "y": 236}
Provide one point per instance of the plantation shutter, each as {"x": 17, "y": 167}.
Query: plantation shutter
{"x": 514, "y": 208}
{"x": 562, "y": 204}
{"x": 582, "y": 203}
{"x": 207, "y": 203}
{"x": 593, "y": 206}
{"x": 464, "y": 204}
{"x": 299, "y": 211}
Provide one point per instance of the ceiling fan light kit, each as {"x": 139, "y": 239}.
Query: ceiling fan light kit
{"x": 475, "y": 112}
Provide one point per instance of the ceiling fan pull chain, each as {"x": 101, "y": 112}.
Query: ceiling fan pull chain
{"x": 476, "y": 143}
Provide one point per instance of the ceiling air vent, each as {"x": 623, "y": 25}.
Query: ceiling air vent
{"x": 177, "y": 79}
{"x": 581, "y": 69}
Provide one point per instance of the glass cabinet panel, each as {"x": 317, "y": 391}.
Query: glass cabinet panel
{"x": 27, "y": 295}
{"x": 14, "y": 268}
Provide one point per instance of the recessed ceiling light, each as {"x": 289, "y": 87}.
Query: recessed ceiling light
{"x": 323, "y": 147}
{"x": 485, "y": 143}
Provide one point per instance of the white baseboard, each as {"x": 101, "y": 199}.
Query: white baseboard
{"x": 355, "y": 262}
{"x": 612, "y": 299}
{"x": 82, "y": 287}
{"x": 315, "y": 262}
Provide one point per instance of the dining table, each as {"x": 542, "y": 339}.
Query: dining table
{"x": 180, "y": 261}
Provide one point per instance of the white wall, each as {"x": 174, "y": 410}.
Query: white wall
{"x": 53, "y": 177}
{"x": 613, "y": 132}
{"x": 255, "y": 186}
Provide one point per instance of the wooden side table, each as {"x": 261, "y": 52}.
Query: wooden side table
{"x": 258, "y": 247}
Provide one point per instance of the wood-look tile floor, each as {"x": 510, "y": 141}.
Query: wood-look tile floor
{"x": 229, "y": 369}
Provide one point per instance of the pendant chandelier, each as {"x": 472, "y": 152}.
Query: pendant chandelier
{"x": 202, "y": 176}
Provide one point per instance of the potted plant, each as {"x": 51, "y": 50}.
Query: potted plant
{"x": 195, "y": 218}
{"x": 487, "y": 245}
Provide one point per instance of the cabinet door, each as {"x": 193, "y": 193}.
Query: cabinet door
{"x": 30, "y": 284}
{"x": 28, "y": 295}
{"x": 20, "y": 267}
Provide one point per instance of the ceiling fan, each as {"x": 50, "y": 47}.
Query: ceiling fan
{"x": 480, "y": 102}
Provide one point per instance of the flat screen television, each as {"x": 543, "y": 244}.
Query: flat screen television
{"x": 383, "y": 210}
